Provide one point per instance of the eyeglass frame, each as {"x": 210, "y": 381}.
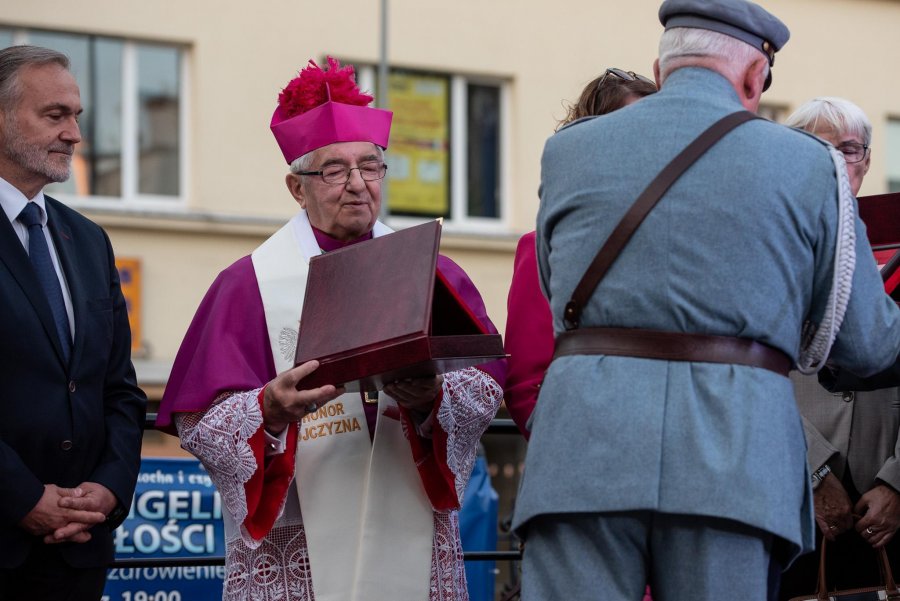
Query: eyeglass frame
{"x": 865, "y": 152}
{"x": 624, "y": 76}
{"x": 321, "y": 173}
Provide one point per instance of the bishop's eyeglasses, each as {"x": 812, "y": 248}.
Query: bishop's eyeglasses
{"x": 853, "y": 152}
{"x": 337, "y": 174}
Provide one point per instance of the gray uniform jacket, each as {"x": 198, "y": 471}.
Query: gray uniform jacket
{"x": 741, "y": 245}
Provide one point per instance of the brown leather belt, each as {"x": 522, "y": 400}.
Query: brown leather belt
{"x": 671, "y": 346}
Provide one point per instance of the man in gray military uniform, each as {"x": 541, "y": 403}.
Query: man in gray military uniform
{"x": 689, "y": 472}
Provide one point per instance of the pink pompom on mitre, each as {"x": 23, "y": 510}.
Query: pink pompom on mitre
{"x": 318, "y": 108}
{"x": 313, "y": 87}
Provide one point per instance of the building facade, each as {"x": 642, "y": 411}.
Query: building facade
{"x": 179, "y": 166}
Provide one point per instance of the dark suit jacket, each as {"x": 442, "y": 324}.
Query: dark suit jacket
{"x": 64, "y": 424}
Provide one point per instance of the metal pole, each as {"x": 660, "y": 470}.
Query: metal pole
{"x": 383, "y": 58}
{"x": 382, "y": 99}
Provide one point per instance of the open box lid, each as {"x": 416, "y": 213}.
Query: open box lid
{"x": 881, "y": 214}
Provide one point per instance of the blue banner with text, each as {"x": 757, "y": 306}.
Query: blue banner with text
{"x": 176, "y": 513}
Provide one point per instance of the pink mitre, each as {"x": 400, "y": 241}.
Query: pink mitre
{"x": 318, "y": 108}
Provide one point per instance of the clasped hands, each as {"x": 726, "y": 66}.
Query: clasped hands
{"x": 66, "y": 514}
{"x": 877, "y": 513}
{"x": 284, "y": 404}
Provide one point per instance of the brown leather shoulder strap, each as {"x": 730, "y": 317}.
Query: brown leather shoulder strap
{"x": 648, "y": 199}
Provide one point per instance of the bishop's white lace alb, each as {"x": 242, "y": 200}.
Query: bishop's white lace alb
{"x": 277, "y": 567}
{"x": 817, "y": 339}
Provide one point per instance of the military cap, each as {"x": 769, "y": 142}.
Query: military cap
{"x": 739, "y": 19}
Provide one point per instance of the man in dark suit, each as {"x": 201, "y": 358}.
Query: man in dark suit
{"x": 70, "y": 412}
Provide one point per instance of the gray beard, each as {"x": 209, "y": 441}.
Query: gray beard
{"x": 34, "y": 158}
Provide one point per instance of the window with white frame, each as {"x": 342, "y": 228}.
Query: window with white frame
{"x": 446, "y": 153}
{"x": 133, "y": 132}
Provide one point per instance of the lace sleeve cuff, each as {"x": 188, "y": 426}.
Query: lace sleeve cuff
{"x": 471, "y": 399}
{"x": 230, "y": 442}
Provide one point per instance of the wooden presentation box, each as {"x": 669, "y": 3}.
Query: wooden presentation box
{"x": 379, "y": 311}
{"x": 881, "y": 214}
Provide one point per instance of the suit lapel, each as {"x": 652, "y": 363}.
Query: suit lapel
{"x": 14, "y": 256}
{"x": 66, "y": 249}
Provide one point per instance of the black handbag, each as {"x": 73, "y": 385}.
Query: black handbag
{"x": 883, "y": 592}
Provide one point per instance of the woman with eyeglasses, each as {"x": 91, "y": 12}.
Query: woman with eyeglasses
{"x": 845, "y": 126}
{"x": 610, "y": 91}
{"x": 529, "y": 324}
{"x": 851, "y": 435}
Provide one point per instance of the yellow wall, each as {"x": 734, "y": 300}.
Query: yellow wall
{"x": 242, "y": 53}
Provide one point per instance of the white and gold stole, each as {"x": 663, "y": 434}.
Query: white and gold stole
{"x": 369, "y": 524}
